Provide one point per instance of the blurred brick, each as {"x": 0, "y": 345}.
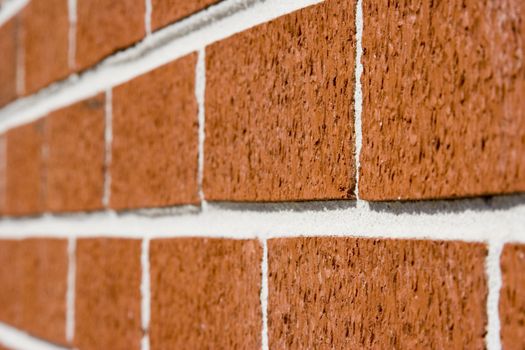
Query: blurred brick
{"x": 165, "y": 12}
{"x": 11, "y": 285}
{"x": 8, "y": 48}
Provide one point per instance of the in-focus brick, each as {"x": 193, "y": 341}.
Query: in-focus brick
{"x": 106, "y": 26}
{"x": 24, "y": 170}
{"x": 205, "y": 294}
{"x": 512, "y": 297}
{"x": 167, "y": 11}
{"x": 443, "y": 99}
{"x": 107, "y": 296}
{"x": 11, "y": 283}
{"x": 347, "y": 293}
{"x": 279, "y": 109}
{"x": 45, "y": 265}
{"x": 75, "y": 156}
{"x": 45, "y": 28}
{"x": 8, "y": 48}
{"x": 155, "y": 140}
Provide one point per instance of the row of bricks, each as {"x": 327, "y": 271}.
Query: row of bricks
{"x": 322, "y": 293}
{"x": 279, "y": 116}
{"x": 101, "y": 28}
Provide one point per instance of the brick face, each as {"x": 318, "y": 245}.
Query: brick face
{"x": 512, "y": 297}
{"x": 365, "y": 293}
{"x": 154, "y": 147}
{"x": 105, "y": 26}
{"x": 45, "y": 51}
{"x": 8, "y": 48}
{"x": 205, "y": 294}
{"x": 167, "y": 11}
{"x": 75, "y": 156}
{"x": 107, "y": 294}
{"x": 11, "y": 286}
{"x": 279, "y": 109}
{"x": 443, "y": 95}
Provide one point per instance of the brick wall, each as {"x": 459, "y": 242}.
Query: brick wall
{"x": 262, "y": 174}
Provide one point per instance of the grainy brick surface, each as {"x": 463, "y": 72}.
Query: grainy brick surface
{"x": 45, "y": 30}
{"x": 279, "y": 109}
{"x": 167, "y": 11}
{"x": 107, "y": 296}
{"x": 105, "y": 26}
{"x": 154, "y": 146}
{"x": 346, "y": 293}
{"x": 11, "y": 286}
{"x": 444, "y": 99}
{"x": 24, "y": 169}
{"x": 8, "y": 48}
{"x": 512, "y": 297}
{"x": 45, "y": 265}
{"x": 75, "y": 156}
{"x": 205, "y": 294}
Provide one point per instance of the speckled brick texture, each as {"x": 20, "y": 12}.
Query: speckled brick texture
{"x": 45, "y": 265}
{"x": 155, "y": 141}
{"x": 512, "y": 297}
{"x": 75, "y": 156}
{"x": 45, "y": 51}
{"x": 443, "y": 99}
{"x": 8, "y": 48}
{"x": 105, "y": 26}
{"x": 205, "y": 294}
{"x": 11, "y": 286}
{"x": 107, "y": 294}
{"x": 165, "y": 12}
{"x": 279, "y": 109}
{"x": 348, "y": 293}
{"x": 24, "y": 170}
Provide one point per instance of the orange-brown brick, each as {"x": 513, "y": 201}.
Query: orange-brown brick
{"x": 11, "y": 283}
{"x": 205, "y": 294}
{"x": 512, "y": 297}
{"x": 8, "y": 48}
{"x": 348, "y": 293}
{"x": 443, "y": 99}
{"x": 24, "y": 170}
{"x": 279, "y": 109}
{"x": 105, "y": 26}
{"x": 107, "y": 296}
{"x": 154, "y": 146}
{"x": 167, "y": 11}
{"x": 45, "y": 28}
{"x": 75, "y": 156}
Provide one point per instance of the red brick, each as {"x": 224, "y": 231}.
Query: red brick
{"x": 279, "y": 109}
{"x": 11, "y": 283}
{"x": 155, "y": 141}
{"x": 8, "y": 48}
{"x": 75, "y": 156}
{"x": 45, "y": 265}
{"x": 106, "y": 26}
{"x": 24, "y": 170}
{"x": 205, "y": 294}
{"x": 45, "y": 40}
{"x": 167, "y": 11}
{"x": 443, "y": 99}
{"x": 512, "y": 297}
{"x": 348, "y": 293}
{"x": 107, "y": 296}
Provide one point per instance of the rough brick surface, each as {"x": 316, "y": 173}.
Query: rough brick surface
{"x": 512, "y": 297}
{"x": 45, "y": 50}
{"x": 8, "y": 48}
{"x": 24, "y": 170}
{"x": 45, "y": 265}
{"x": 205, "y": 294}
{"x": 107, "y": 297}
{"x": 105, "y": 26}
{"x": 167, "y": 11}
{"x": 154, "y": 147}
{"x": 346, "y": 293}
{"x": 279, "y": 109}
{"x": 444, "y": 99}
{"x": 11, "y": 286}
{"x": 75, "y": 156}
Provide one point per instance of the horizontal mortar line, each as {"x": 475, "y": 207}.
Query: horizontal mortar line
{"x": 501, "y": 218}
{"x": 16, "y": 339}
{"x": 10, "y": 8}
{"x": 189, "y": 35}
